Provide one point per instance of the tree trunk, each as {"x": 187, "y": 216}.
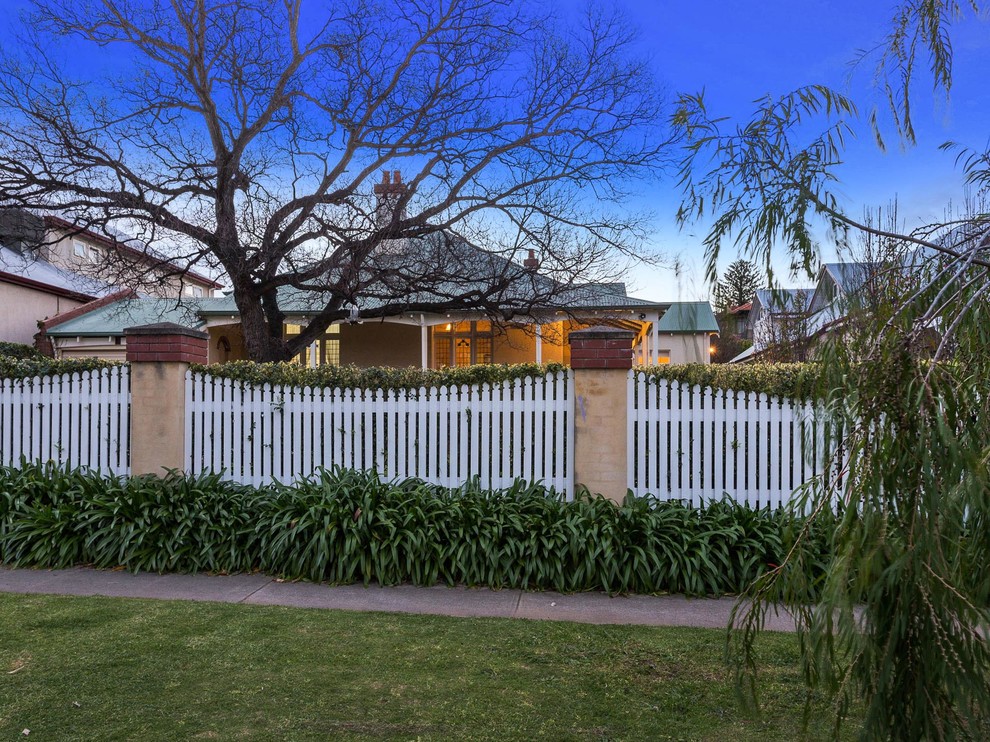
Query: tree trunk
{"x": 263, "y": 345}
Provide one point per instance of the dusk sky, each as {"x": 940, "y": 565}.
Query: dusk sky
{"x": 739, "y": 51}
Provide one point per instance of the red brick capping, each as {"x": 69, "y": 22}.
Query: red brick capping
{"x": 166, "y": 342}
{"x": 601, "y": 347}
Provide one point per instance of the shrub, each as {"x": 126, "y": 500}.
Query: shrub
{"x": 343, "y": 527}
{"x": 381, "y": 377}
{"x": 794, "y": 380}
{"x": 18, "y": 350}
{"x": 24, "y": 368}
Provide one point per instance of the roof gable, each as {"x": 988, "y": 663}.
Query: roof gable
{"x": 688, "y": 317}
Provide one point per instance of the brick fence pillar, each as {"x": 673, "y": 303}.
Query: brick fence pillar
{"x": 601, "y": 358}
{"x": 160, "y": 355}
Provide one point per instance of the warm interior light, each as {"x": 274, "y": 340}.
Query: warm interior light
{"x": 447, "y": 327}
{"x": 711, "y": 349}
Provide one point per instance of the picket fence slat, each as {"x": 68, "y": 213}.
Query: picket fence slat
{"x": 696, "y": 444}
{"x": 496, "y": 432}
{"x": 77, "y": 420}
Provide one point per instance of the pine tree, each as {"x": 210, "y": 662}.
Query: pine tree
{"x": 738, "y": 286}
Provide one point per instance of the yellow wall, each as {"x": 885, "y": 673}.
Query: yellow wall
{"x": 380, "y": 344}
{"x": 687, "y": 348}
{"x": 89, "y": 347}
{"x": 236, "y": 339}
{"x": 518, "y": 345}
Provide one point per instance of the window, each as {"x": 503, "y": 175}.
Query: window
{"x": 79, "y": 248}
{"x": 196, "y": 291}
{"x": 462, "y": 344}
{"x": 663, "y": 356}
{"x": 325, "y": 351}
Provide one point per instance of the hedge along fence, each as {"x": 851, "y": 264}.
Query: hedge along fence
{"x": 19, "y": 350}
{"x": 793, "y": 380}
{"x": 346, "y": 527}
{"x": 379, "y": 377}
{"x": 26, "y": 368}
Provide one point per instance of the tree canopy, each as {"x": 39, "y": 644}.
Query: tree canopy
{"x": 737, "y": 286}
{"x": 251, "y": 136}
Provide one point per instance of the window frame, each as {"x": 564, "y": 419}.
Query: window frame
{"x": 452, "y": 337}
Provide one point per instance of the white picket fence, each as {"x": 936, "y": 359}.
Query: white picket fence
{"x": 444, "y": 435}
{"x": 695, "y": 443}
{"x": 79, "y": 419}
{"x": 686, "y": 443}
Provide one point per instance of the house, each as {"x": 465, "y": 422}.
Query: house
{"x": 666, "y": 333}
{"x": 737, "y": 321}
{"x": 538, "y": 312}
{"x": 32, "y": 290}
{"x": 49, "y": 267}
{"x": 789, "y": 321}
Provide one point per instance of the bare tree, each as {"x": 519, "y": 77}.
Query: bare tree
{"x": 249, "y": 134}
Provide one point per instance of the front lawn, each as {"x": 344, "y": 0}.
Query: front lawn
{"x": 101, "y": 668}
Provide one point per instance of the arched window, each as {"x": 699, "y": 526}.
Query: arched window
{"x": 223, "y": 349}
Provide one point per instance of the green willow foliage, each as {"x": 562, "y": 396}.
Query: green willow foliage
{"x": 345, "y": 527}
{"x": 899, "y": 622}
{"x": 381, "y": 377}
{"x": 23, "y": 368}
{"x": 794, "y": 380}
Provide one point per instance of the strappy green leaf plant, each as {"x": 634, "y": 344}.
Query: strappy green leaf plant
{"x": 344, "y": 526}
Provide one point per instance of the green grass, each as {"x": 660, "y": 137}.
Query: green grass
{"x": 101, "y": 668}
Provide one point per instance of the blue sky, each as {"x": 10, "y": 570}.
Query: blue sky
{"x": 739, "y": 51}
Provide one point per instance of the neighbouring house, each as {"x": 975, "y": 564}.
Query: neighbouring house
{"x": 788, "y": 322}
{"x": 49, "y": 267}
{"x": 737, "y": 321}
{"x": 777, "y": 323}
{"x": 32, "y": 290}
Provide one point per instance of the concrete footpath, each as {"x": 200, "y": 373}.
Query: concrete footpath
{"x": 258, "y": 589}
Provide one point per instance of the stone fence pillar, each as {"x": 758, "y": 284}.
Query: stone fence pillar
{"x": 601, "y": 358}
{"x": 160, "y": 355}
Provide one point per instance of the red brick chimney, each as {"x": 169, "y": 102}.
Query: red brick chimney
{"x": 531, "y": 263}
{"x": 388, "y": 193}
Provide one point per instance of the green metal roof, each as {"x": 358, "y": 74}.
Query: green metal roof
{"x": 689, "y": 317}
{"x": 110, "y": 320}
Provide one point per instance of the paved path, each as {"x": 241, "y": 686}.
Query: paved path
{"x": 258, "y": 589}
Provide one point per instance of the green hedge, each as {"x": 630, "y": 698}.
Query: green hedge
{"x": 23, "y": 368}
{"x": 381, "y": 377}
{"x": 19, "y": 350}
{"x": 346, "y": 527}
{"x": 795, "y": 380}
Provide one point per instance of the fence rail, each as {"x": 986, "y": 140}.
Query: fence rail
{"x": 696, "y": 443}
{"x": 79, "y": 419}
{"x": 445, "y": 435}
